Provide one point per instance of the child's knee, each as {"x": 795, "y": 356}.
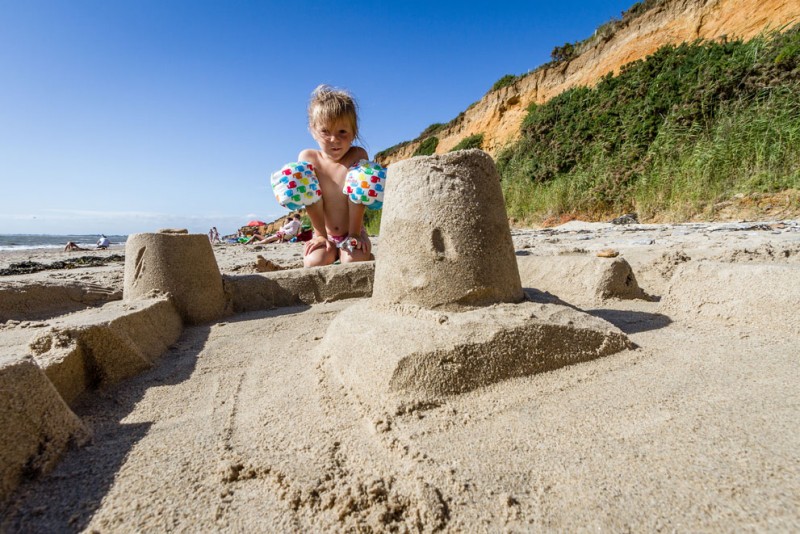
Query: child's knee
{"x": 319, "y": 259}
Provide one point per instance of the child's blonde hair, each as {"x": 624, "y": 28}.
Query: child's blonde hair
{"x": 329, "y": 104}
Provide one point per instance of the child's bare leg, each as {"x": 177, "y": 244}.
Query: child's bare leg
{"x": 352, "y": 257}
{"x": 320, "y": 256}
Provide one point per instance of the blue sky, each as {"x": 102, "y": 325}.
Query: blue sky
{"x": 123, "y": 116}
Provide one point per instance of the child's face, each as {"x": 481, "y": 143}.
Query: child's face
{"x": 334, "y": 139}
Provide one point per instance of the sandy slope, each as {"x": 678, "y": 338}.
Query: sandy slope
{"x": 244, "y": 427}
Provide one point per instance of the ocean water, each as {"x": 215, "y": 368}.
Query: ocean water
{"x": 34, "y": 241}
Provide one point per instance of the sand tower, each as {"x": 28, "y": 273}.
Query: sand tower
{"x": 180, "y": 264}
{"x": 448, "y": 313}
{"x": 447, "y": 235}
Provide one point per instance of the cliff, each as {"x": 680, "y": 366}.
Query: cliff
{"x": 499, "y": 114}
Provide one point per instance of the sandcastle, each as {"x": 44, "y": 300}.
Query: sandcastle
{"x": 448, "y": 313}
{"x": 180, "y": 264}
{"x": 171, "y": 280}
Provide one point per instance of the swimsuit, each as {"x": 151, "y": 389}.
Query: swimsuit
{"x": 337, "y": 240}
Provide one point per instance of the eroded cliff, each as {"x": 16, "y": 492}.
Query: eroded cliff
{"x": 499, "y": 114}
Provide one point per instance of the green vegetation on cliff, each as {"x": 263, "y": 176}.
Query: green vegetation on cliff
{"x": 673, "y": 134}
{"x": 471, "y": 141}
{"x": 427, "y": 147}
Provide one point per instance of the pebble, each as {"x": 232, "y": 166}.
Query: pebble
{"x": 607, "y": 253}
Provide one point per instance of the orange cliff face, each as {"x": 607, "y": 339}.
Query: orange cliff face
{"x": 499, "y": 114}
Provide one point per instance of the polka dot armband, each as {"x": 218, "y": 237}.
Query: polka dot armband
{"x": 364, "y": 184}
{"x": 296, "y": 185}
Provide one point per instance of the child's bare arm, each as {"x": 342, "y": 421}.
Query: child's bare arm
{"x": 355, "y": 218}
{"x": 316, "y": 212}
{"x": 355, "y": 213}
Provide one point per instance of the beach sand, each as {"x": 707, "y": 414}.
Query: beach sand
{"x": 243, "y": 426}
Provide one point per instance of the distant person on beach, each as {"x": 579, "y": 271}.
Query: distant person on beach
{"x": 333, "y": 123}
{"x": 287, "y": 231}
{"x": 103, "y": 243}
{"x": 213, "y": 235}
{"x": 72, "y": 245}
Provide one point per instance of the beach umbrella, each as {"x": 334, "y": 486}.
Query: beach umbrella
{"x": 256, "y": 223}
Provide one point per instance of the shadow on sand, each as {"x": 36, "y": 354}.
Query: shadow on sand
{"x": 629, "y": 321}
{"x": 632, "y": 322}
{"x": 65, "y": 499}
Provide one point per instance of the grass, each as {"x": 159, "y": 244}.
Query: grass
{"x": 372, "y": 221}
{"x": 673, "y": 134}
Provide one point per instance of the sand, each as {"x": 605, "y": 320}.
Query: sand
{"x": 242, "y": 425}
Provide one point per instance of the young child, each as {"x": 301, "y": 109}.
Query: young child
{"x": 333, "y": 122}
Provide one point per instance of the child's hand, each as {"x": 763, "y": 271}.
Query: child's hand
{"x": 366, "y": 244}
{"x": 352, "y": 243}
{"x": 357, "y": 242}
{"x": 315, "y": 243}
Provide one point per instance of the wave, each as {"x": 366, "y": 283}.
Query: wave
{"x": 17, "y": 242}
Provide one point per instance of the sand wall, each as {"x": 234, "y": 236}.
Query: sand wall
{"x": 299, "y": 286}
{"x": 39, "y": 377}
{"x": 37, "y": 425}
{"x": 745, "y": 295}
{"x": 23, "y": 301}
{"x": 101, "y": 347}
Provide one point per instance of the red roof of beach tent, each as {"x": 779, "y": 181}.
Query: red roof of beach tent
{"x": 256, "y": 223}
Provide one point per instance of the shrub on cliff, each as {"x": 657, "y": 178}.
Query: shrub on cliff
{"x": 563, "y": 53}
{"x": 427, "y": 147}
{"x": 471, "y": 141}
{"x": 432, "y": 129}
{"x": 687, "y": 126}
{"x": 505, "y": 81}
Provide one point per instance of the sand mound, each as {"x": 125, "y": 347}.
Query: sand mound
{"x": 746, "y": 295}
{"x": 452, "y": 295}
{"x": 449, "y": 353}
{"x": 581, "y": 280}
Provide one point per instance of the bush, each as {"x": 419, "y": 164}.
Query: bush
{"x": 432, "y": 129}
{"x": 427, "y": 147}
{"x": 506, "y": 80}
{"x": 471, "y": 141}
{"x": 563, "y": 53}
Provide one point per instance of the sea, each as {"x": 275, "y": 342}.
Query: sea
{"x": 38, "y": 241}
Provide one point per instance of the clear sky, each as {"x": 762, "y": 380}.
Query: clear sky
{"x": 123, "y": 116}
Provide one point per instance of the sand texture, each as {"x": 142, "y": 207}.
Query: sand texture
{"x": 246, "y": 423}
